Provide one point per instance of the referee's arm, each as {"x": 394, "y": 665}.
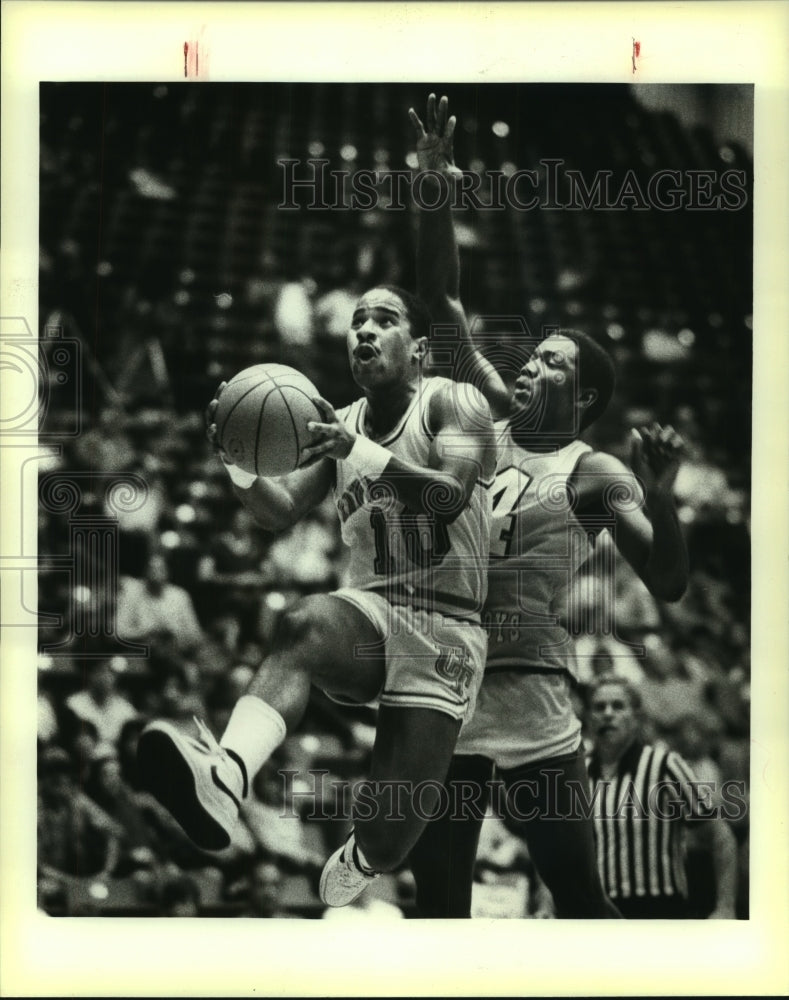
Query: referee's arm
{"x": 713, "y": 832}
{"x": 724, "y": 856}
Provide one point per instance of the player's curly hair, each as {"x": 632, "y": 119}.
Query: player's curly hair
{"x": 417, "y": 312}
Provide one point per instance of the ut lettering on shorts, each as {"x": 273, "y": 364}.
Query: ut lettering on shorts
{"x": 431, "y": 661}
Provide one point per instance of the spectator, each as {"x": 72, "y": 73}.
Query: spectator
{"x": 180, "y": 695}
{"x": 644, "y": 799}
{"x": 157, "y": 611}
{"x": 265, "y": 889}
{"x": 706, "y": 606}
{"x": 304, "y": 557}
{"x": 668, "y": 691}
{"x": 76, "y": 837}
{"x": 140, "y": 848}
{"x": 139, "y": 522}
{"x": 100, "y": 704}
{"x": 696, "y": 739}
{"x": 232, "y": 573}
{"x": 106, "y": 445}
{"x": 236, "y": 555}
{"x": 219, "y": 650}
{"x": 635, "y": 609}
{"x": 80, "y": 739}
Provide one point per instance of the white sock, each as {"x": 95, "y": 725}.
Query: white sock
{"x": 253, "y": 733}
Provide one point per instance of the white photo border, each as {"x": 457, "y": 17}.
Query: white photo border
{"x": 438, "y": 43}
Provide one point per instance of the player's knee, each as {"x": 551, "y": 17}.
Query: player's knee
{"x": 305, "y": 623}
{"x": 292, "y": 626}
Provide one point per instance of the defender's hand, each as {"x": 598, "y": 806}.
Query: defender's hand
{"x": 332, "y": 439}
{"x": 434, "y": 143}
{"x": 656, "y": 454}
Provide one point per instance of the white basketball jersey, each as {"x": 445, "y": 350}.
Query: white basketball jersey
{"x": 410, "y": 557}
{"x": 536, "y": 548}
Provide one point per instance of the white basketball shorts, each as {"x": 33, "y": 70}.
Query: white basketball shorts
{"x": 521, "y": 718}
{"x": 431, "y": 661}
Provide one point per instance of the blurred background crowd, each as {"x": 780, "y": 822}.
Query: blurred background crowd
{"x": 166, "y": 259}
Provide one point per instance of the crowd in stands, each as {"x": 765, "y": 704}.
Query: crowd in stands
{"x": 200, "y": 587}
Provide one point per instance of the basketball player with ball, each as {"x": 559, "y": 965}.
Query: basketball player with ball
{"x": 408, "y": 465}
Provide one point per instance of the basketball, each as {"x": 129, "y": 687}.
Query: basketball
{"x": 261, "y": 419}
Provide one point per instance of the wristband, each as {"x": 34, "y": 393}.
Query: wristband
{"x": 242, "y": 479}
{"x": 368, "y": 457}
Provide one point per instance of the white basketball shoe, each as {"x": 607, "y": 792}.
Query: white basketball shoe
{"x": 342, "y": 880}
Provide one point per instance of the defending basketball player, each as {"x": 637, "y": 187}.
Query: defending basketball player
{"x": 409, "y": 465}
{"x": 551, "y": 495}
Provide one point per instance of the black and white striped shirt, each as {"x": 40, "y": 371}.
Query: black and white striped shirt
{"x": 640, "y": 816}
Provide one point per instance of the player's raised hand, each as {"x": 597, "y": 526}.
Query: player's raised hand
{"x": 210, "y": 424}
{"x": 434, "y": 139}
{"x": 331, "y": 438}
{"x": 656, "y": 454}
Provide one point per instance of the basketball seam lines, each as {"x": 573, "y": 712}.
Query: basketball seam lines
{"x": 232, "y": 410}
{"x": 260, "y": 428}
{"x": 293, "y": 422}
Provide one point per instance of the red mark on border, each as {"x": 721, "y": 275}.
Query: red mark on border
{"x": 196, "y": 55}
{"x": 192, "y": 60}
{"x": 636, "y": 52}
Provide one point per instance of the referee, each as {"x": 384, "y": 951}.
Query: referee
{"x": 644, "y": 796}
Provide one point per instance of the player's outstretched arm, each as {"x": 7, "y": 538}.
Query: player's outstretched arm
{"x": 648, "y": 534}
{"x": 437, "y": 258}
{"x": 462, "y": 453}
{"x": 438, "y": 261}
{"x": 276, "y": 504}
